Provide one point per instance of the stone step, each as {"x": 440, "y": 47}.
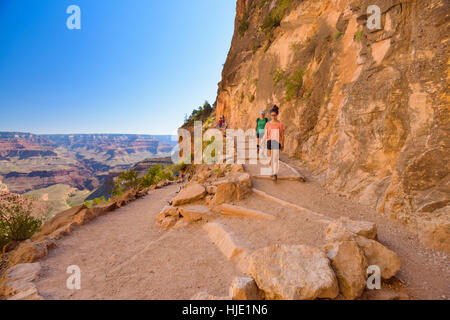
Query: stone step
{"x": 232, "y": 210}
{"x": 260, "y": 177}
{"x": 224, "y": 240}
{"x": 287, "y": 204}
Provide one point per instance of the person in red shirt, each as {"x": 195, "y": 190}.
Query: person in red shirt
{"x": 275, "y": 140}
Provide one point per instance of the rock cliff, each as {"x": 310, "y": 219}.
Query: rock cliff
{"x": 367, "y": 110}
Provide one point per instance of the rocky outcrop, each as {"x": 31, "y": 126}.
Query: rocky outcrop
{"x": 293, "y": 273}
{"x": 366, "y": 109}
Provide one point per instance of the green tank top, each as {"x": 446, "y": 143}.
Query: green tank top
{"x": 261, "y": 124}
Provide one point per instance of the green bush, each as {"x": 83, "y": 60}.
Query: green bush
{"x": 16, "y": 220}
{"x": 96, "y": 201}
{"x": 244, "y": 24}
{"x": 293, "y": 85}
{"x": 359, "y": 36}
{"x": 273, "y": 19}
{"x": 278, "y": 75}
{"x": 337, "y": 35}
{"x": 200, "y": 114}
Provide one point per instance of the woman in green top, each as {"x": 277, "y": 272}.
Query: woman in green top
{"x": 260, "y": 127}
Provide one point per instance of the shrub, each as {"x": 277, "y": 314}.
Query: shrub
{"x": 293, "y": 85}
{"x": 251, "y": 98}
{"x": 96, "y": 201}
{"x": 273, "y": 19}
{"x": 16, "y": 220}
{"x": 359, "y": 36}
{"x": 337, "y": 35}
{"x": 278, "y": 75}
{"x": 200, "y": 114}
{"x": 262, "y": 3}
{"x": 244, "y": 24}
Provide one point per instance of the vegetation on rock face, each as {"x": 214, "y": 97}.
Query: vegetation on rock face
{"x": 359, "y": 36}
{"x": 273, "y": 19}
{"x": 17, "y": 222}
{"x": 293, "y": 85}
{"x": 244, "y": 24}
{"x": 200, "y": 114}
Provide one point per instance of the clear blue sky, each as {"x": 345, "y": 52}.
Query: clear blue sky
{"x": 136, "y": 66}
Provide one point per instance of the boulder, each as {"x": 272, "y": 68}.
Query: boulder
{"x": 190, "y": 194}
{"x": 24, "y": 272}
{"x": 434, "y": 233}
{"x": 295, "y": 272}
{"x": 126, "y": 198}
{"x": 245, "y": 289}
{"x": 28, "y": 252}
{"x": 226, "y": 192}
{"x": 336, "y": 232}
{"x": 379, "y": 255}
{"x": 361, "y": 228}
{"x": 196, "y": 213}
{"x": 58, "y": 221}
{"x": 19, "y": 278}
{"x": 84, "y": 217}
{"x": 350, "y": 266}
{"x": 103, "y": 208}
{"x": 244, "y": 186}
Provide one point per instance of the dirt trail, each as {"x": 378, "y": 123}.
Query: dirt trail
{"x": 124, "y": 255}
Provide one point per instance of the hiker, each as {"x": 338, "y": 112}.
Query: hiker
{"x": 260, "y": 128}
{"x": 275, "y": 140}
{"x": 220, "y": 123}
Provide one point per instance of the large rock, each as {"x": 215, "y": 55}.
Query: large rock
{"x": 350, "y": 266}
{"x": 435, "y": 233}
{"x": 28, "y": 252}
{"x": 379, "y": 255}
{"x": 293, "y": 273}
{"x": 190, "y": 194}
{"x": 362, "y": 228}
{"x": 18, "y": 279}
{"x": 58, "y": 221}
{"x": 245, "y": 289}
{"x": 226, "y": 193}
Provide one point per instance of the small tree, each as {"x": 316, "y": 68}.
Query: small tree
{"x": 16, "y": 220}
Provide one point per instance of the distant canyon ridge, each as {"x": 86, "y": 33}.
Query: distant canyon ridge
{"x": 84, "y": 161}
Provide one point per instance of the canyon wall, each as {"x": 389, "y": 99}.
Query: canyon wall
{"x": 366, "y": 110}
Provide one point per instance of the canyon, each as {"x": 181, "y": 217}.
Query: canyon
{"x": 30, "y": 162}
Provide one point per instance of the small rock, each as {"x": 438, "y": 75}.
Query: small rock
{"x": 245, "y": 289}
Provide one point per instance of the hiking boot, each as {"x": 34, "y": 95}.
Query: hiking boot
{"x": 274, "y": 178}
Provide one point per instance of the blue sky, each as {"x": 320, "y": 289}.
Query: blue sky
{"x": 136, "y": 66}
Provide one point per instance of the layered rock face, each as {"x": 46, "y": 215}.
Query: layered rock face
{"x": 30, "y": 162}
{"x": 366, "y": 109}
